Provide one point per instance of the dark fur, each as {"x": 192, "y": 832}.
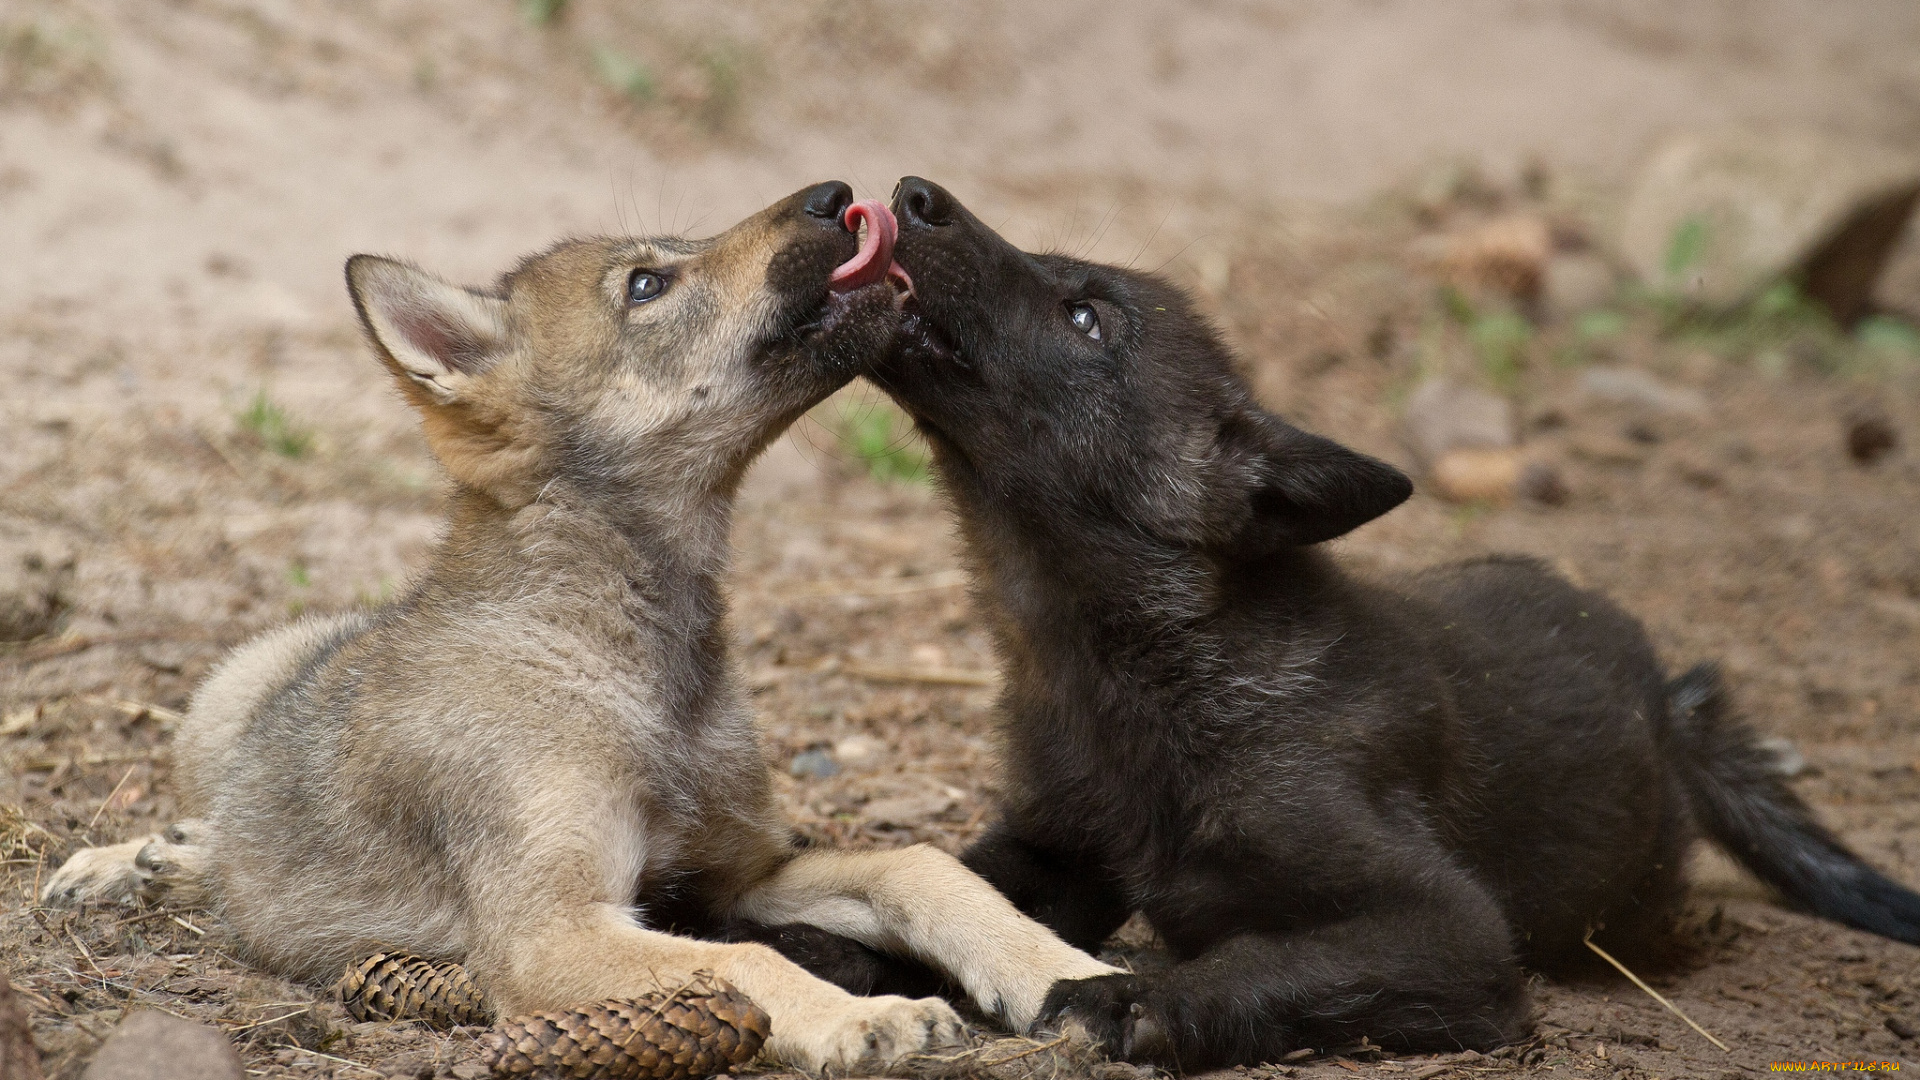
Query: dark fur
{"x": 1352, "y": 809}
{"x": 844, "y": 962}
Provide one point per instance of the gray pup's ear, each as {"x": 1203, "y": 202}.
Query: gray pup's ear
{"x": 435, "y": 335}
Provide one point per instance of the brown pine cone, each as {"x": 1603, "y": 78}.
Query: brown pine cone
{"x": 401, "y": 986}
{"x": 703, "y": 1028}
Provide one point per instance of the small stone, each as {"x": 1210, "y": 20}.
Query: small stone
{"x": 1491, "y": 477}
{"x": 904, "y": 811}
{"x": 169, "y": 657}
{"x": 1631, "y": 386}
{"x": 1901, "y": 1028}
{"x": 859, "y": 752}
{"x": 1540, "y": 482}
{"x": 470, "y": 1070}
{"x": 1442, "y": 416}
{"x": 160, "y": 1046}
{"x": 816, "y": 763}
{"x": 1870, "y": 436}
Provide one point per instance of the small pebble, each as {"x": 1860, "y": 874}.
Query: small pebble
{"x": 814, "y": 764}
{"x": 1486, "y": 476}
{"x": 159, "y": 1046}
{"x": 1631, "y": 386}
{"x": 859, "y": 752}
{"x": 1541, "y": 483}
{"x": 1442, "y": 417}
{"x": 907, "y": 811}
{"x": 1870, "y": 437}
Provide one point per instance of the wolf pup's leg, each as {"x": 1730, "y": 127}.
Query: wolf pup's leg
{"x": 1070, "y": 894}
{"x": 175, "y": 864}
{"x": 921, "y": 902}
{"x": 844, "y": 962}
{"x": 171, "y": 865}
{"x": 1417, "y": 973}
{"x": 598, "y": 951}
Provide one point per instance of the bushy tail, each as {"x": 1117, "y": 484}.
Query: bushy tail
{"x": 1743, "y": 804}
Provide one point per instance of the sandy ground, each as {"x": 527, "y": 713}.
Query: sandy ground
{"x": 194, "y": 445}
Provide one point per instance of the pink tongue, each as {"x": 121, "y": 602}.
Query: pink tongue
{"x": 875, "y": 257}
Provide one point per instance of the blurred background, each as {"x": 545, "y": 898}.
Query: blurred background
{"x": 1628, "y": 285}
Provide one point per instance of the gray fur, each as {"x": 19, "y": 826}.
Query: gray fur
{"x": 546, "y": 734}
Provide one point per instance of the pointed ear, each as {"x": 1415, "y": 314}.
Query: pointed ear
{"x": 434, "y": 335}
{"x": 438, "y": 339}
{"x": 1304, "y": 489}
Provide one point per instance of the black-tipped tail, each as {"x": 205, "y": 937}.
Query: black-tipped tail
{"x": 1741, "y": 802}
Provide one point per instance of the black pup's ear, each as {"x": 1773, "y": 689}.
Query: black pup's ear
{"x": 1304, "y": 489}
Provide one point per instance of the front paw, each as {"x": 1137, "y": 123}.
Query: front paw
{"x": 99, "y": 875}
{"x": 865, "y": 1034}
{"x": 1117, "y": 1014}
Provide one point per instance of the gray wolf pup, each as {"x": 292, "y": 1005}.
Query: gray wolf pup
{"x": 1351, "y": 808}
{"x": 546, "y": 735}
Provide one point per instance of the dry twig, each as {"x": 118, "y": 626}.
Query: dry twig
{"x": 108, "y": 801}
{"x": 73, "y": 643}
{"x": 1651, "y": 992}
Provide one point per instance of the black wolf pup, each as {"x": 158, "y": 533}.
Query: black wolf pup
{"x": 1352, "y": 809}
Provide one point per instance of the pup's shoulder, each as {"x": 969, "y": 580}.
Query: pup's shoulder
{"x": 1519, "y": 606}
{"x": 1517, "y": 585}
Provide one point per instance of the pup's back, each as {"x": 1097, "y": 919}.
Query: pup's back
{"x": 224, "y": 705}
{"x": 1574, "y": 817}
{"x": 1606, "y": 770}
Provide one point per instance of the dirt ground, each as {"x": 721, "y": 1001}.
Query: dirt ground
{"x": 194, "y": 445}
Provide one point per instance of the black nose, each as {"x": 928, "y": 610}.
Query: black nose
{"x": 922, "y": 202}
{"x": 828, "y": 201}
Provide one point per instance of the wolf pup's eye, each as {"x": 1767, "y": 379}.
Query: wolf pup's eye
{"x": 644, "y": 285}
{"x": 1084, "y": 319}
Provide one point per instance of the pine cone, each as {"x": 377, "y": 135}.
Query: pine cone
{"x": 401, "y": 986}
{"x": 705, "y": 1027}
